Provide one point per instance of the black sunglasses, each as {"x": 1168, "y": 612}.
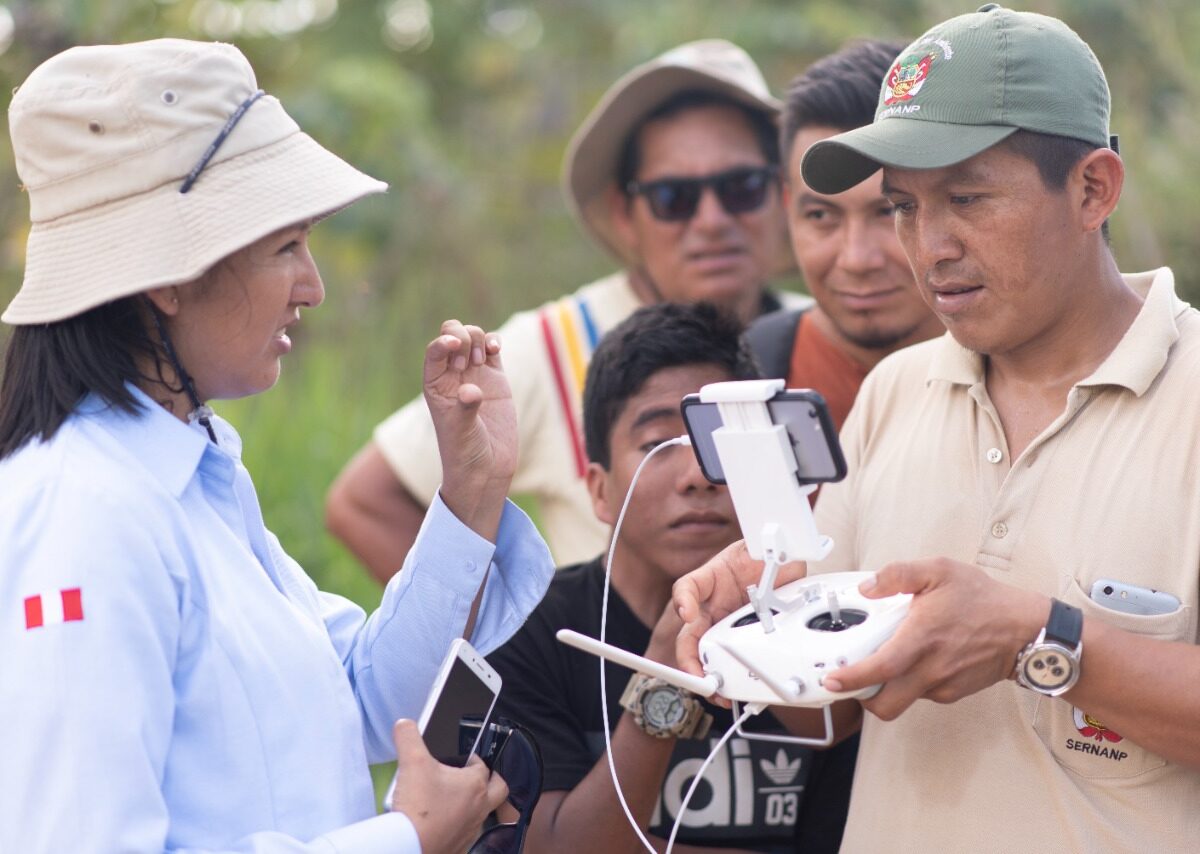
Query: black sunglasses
{"x": 738, "y": 190}
{"x": 510, "y": 750}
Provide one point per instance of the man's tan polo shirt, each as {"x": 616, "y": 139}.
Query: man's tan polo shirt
{"x": 1111, "y": 489}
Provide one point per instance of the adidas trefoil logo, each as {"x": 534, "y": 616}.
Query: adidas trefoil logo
{"x": 781, "y": 772}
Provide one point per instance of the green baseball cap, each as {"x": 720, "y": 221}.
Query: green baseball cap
{"x": 964, "y": 86}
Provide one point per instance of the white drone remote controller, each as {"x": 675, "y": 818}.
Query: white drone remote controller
{"x": 777, "y": 649}
{"x": 826, "y": 624}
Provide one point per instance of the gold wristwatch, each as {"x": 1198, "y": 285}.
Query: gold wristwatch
{"x": 663, "y": 710}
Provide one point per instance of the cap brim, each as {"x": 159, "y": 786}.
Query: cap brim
{"x": 163, "y": 237}
{"x": 836, "y": 164}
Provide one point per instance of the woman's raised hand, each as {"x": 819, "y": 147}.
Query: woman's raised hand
{"x": 476, "y": 423}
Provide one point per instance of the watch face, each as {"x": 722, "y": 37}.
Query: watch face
{"x": 1048, "y": 668}
{"x": 663, "y": 708}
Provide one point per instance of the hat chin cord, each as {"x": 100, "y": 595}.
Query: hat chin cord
{"x": 200, "y": 412}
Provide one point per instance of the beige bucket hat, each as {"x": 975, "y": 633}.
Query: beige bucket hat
{"x": 590, "y": 165}
{"x": 104, "y": 138}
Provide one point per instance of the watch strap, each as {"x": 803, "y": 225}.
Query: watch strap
{"x": 701, "y": 724}
{"x": 695, "y": 724}
{"x": 632, "y": 688}
{"x": 1050, "y": 665}
{"x": 1065, "y": 624}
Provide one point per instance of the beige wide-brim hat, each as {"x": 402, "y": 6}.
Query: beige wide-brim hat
{"x": 590, "y": 165}
{"x": 103, "y": 138}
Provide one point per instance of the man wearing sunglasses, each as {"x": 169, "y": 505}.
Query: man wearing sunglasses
{"x": 675, "y": 175}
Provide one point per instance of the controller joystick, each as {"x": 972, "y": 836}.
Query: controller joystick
{"x": 825, "y": 623}
{"x": 828, "y": 622}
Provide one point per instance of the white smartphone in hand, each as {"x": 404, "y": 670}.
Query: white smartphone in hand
{"x": 464, "y": 692}
{"x": 458, "y": 708}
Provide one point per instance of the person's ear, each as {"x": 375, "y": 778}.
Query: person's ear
{"x": 165, "y": 299}
{"x": 600, "y": 490}
{"x": 1099, "y": 178}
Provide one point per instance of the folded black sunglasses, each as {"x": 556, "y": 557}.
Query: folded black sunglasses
{"x": 508, "y": 749}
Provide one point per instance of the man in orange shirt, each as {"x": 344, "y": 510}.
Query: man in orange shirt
{"x": 867, "y": 304}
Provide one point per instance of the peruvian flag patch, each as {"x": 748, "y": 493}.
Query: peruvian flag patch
{"x": 61, "y": 606}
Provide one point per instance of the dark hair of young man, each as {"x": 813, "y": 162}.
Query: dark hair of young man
{"x": 651, "y": 339}
{"x": 838, "y": 91}
{"x": 762, "y": 124}
{"x": 49, "y": 368}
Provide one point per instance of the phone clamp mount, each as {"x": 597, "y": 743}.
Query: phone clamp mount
{"x": 776, "y": 649}
{"x": 760, "y": 470}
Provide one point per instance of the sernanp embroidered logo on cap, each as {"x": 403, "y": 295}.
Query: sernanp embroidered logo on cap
{"x": 907, "y": 77}
{"x": 911, "y": 70}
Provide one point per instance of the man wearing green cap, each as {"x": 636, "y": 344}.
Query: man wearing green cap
{"x": 1045, "y": 450}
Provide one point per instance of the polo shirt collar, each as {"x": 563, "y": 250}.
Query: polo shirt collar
{"x": 954, "y": 363}
{"x": 1134, "y": 363}
{"x": 1142, "y": 352}
{"x": 166, "y": 447}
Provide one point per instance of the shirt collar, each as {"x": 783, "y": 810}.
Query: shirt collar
{"x": 954, "y": 363}
{"x": 1134, "y": 363}
{"x": 1142, "y": 352}
{"x": 165, "y": 446}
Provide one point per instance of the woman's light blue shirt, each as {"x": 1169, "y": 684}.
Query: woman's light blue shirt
{"x": 211, "y": 698}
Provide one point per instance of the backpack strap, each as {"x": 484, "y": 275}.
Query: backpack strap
{"x": 771, "y": 339}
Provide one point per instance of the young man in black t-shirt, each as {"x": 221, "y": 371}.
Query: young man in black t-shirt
{"x": 753, "y": 794}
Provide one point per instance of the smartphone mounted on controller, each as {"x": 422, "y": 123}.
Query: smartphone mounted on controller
{"x": 804, "y": 415}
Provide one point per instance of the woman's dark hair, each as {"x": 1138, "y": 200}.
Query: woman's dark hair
{"x": 667, "y": 335}
{"x": 48, "y": 369}
{"x": 761, "y": 123}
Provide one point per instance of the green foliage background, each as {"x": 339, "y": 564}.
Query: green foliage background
{"x": 469, "y": 128}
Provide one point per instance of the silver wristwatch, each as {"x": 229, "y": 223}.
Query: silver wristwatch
{"x": 1051, "y": 664}
{"x": 663, "y": 710}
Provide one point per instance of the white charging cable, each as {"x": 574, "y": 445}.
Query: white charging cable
{"x": 612, "y": 548}
{"x": 751, "y": 709}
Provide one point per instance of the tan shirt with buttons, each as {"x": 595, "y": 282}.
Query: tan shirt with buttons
{"x": 1111, "y": 489}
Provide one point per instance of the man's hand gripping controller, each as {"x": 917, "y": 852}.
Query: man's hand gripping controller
{"x": 776, "y": 649}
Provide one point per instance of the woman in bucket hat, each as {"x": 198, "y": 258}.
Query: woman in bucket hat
{"x": 172, "y": 679}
